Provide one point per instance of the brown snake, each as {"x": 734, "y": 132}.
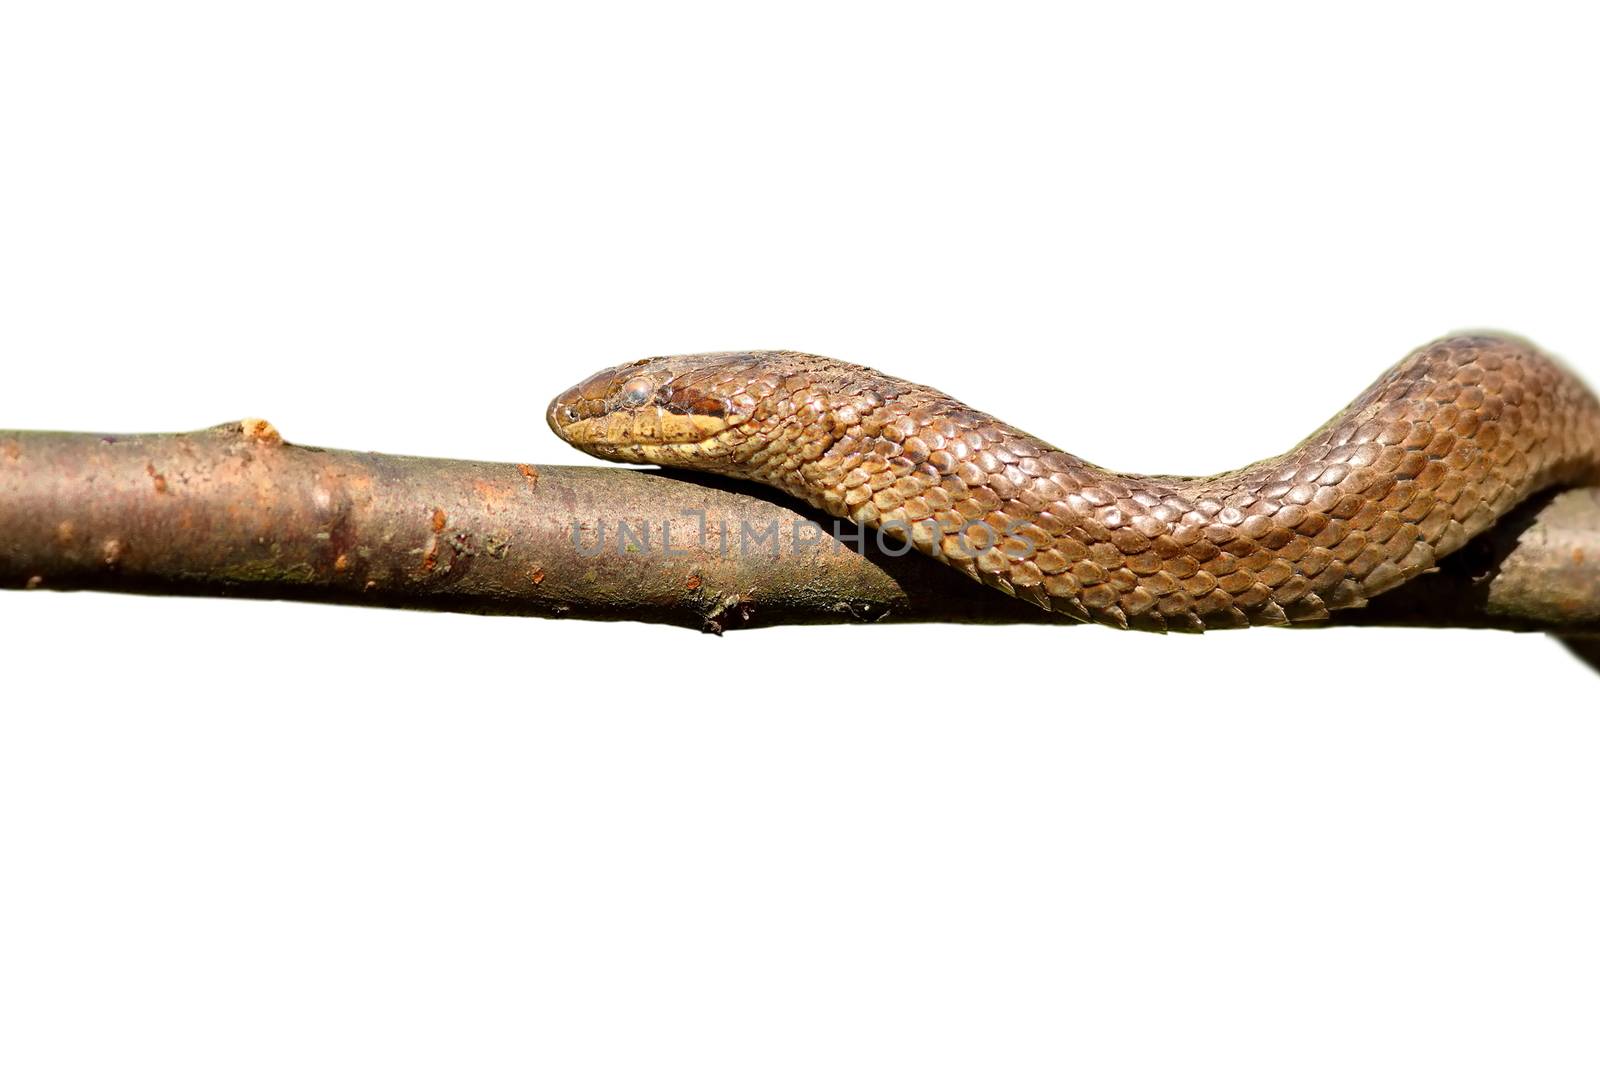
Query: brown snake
{"x": 1438, "y": 449}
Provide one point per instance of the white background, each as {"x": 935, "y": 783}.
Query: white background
{"x": 1167, "y": 237}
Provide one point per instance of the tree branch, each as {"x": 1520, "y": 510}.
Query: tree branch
{"x": 236, "y": 511}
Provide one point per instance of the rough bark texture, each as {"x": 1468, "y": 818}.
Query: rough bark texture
{"x": 236, "y": 511}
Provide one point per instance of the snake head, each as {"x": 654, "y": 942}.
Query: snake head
{"x": 683, "y": 411}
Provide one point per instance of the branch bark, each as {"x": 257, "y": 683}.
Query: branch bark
{"x": 236, "y": 511}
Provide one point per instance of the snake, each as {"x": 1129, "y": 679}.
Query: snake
{"x": 1434, "y": 452}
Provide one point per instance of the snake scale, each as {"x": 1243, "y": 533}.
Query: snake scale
{"x": 1433, "y": 453}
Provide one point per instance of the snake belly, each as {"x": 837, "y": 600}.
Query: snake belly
{"x": 1433, "y": 453}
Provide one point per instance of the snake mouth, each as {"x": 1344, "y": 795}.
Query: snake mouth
{"x": 643, "y": 427}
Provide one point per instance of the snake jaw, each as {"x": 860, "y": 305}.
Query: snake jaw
{"x": 650, "y": 435}
{"x": 649, "y": 432}
{"x": 676, "y": 411}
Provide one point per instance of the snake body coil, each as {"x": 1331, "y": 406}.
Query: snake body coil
{"x": 1440, "y": 447}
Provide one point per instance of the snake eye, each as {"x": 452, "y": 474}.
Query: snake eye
{"x": 637, "y": 391}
